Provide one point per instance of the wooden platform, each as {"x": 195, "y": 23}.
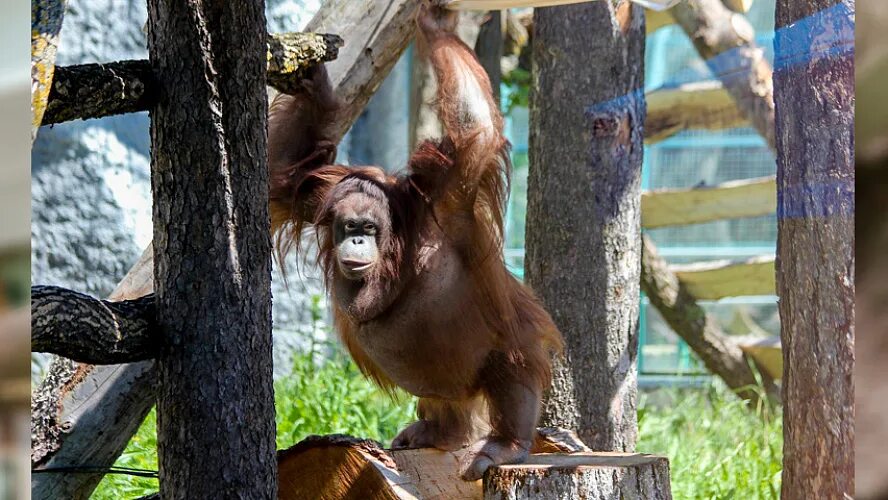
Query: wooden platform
{"x": 341, "y": 467}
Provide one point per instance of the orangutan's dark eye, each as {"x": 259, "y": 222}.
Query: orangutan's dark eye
{"x": 369, "y": 228}
{"x": 350, "y": 226}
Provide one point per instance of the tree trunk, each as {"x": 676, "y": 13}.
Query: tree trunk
{"x": 814, "y": 93}
{"x": 624, "y": 476}
{"x": 212, "y": 250}
{"x": 560, "y": 466}
{"x": 583, "y": 218}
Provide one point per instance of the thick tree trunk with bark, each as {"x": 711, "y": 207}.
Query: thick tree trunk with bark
{"x": 814, "y": 93}
{"x": 212, "y": 250}
{"x": 583, "y": 218}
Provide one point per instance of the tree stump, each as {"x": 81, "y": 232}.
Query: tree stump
{"x": 591, "y": 475}
{"x": 342, "y": 467}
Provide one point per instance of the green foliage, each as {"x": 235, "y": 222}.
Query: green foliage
{"x": 333, "y": 397}
{"x": 717, "y": 448}
{"x": 518, "y": 95}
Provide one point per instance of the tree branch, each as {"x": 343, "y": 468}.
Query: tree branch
{"x": 726, "y": 41}
{"x": 90, "y": 330}
{"x": 88, "y": 91}
{"x": 680, "y": 310}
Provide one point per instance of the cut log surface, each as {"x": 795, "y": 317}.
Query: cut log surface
{"x": 343, "y": 467}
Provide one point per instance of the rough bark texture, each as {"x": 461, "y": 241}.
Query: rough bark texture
{"x": 90, "y": 330}
{"x": 95, "y": 90}
{"x": 680, "y": 310}
{"x": 588, "y": 475}
{"x": 85, "y": 414}
{"x": 583, "y": 218}
{"x": 46, "y": 23}
{"x": 814, "y": 91}
{"x": 212, "y": 250}
{"x": 76, "y": 403}
{"x": 725, "y": 40}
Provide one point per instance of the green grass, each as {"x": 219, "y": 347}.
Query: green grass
{"x": 717, "y": 448}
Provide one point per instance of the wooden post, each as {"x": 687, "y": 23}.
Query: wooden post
{"x": 583, "y": 217}
{"x": 814, "y": 94}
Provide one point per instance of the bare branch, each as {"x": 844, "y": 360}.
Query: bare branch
{"x": 90, "y": 330}
{"x": 88, "y": 91}
{"x": 683, "y": 314}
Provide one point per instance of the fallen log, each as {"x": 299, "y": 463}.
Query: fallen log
{"x": 337, "y": 466}
{"x": 87, "y": 91}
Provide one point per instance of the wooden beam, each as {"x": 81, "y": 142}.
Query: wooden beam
{"x": 678, "y": 306}
{"x": 77, "y": 402}
{"x": 729, "y": 200}
{"x": 700, "y": 105}
{"x": 87, "y": 91}
{"x": 90, "y": 330}
{"x": 724, "y": 278}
